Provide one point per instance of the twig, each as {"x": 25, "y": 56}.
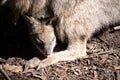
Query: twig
{"x": 106, "y": 52}
{"x": 118, "y": 75}
{"x": 117, "y": 67}
{"x": 4, "y": 73}
{"x": 37, "y": 75}
{"x": 95, "y": 73}
{"x": 116, "y": 28}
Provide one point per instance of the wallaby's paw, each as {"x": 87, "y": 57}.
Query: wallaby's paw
{"x": 47, "y": 62}
{"x": 31, "y": 20}
{"x": 32, "y": 63}
{"x": 37, "y": 63}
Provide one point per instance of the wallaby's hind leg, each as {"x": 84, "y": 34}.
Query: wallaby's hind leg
{"x": 74, "y": 51}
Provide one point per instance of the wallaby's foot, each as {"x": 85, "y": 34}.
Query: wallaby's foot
{"x": 54, "y": 58}
{"x": 60, "y": 56}
{"x": 73, "y": 52}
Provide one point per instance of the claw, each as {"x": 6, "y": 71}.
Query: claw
{"x": 41, "y": 65}
{"x": 38, "y": 68}
{"x": 32, "y": 20}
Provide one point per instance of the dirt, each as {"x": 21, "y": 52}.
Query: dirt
{"x": 16, "y": 49}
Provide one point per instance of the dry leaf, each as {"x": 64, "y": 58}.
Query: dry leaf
{"x": 13, "y": 68}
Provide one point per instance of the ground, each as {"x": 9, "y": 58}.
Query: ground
{"x": 16, "y": 49}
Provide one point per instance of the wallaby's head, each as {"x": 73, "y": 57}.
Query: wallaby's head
{"x": 42, "y": 33}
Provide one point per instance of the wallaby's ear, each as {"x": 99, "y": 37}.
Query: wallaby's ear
{"x": 38, "y": 4}
{"x": 2, "y": 2}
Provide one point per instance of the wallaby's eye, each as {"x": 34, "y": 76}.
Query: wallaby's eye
{"x": 39, "y": 41}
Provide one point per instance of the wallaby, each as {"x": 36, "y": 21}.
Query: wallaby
{"x": 76, "y": 21}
